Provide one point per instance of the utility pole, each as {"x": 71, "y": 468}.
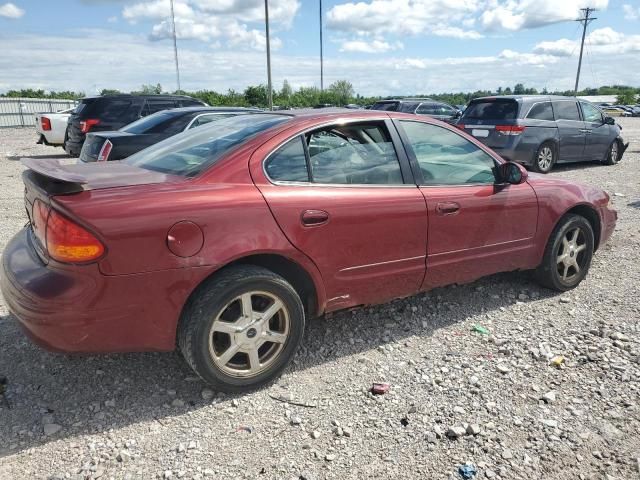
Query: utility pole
{"x": 321, "y": 56}
{"x": 175, "y": 46}
{"x": 266, "y": 20}
{"x": 586, "y": 20}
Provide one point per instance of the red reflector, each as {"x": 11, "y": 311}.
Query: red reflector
{"x": 46, "y": 123}
{"x": 510, "y": 129}
{"x": 69, "y": 242}
{"x": 86, "y": 125}
{"x": 103, "y": 156}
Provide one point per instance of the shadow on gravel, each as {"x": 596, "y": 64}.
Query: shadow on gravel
{"x": 71, "y": 391}
{"x": 563, "y": 167}
{"x": 634, "y": 204}
{"x": 16, "y": 158}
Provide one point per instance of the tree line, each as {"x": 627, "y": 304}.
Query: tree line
{"x": 339, "y": 93}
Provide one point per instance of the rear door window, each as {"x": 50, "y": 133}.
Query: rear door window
{"x": 288, "y": 163}
{"x": 428, "y": 109}
{"x": 153, "y": 106}
{"x": 386, "y": 106}
{"x": 541, "y": 111}
{"x": 492, "y": 109}
{"x": 566, "y": 110}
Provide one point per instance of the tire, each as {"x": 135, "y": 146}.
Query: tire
{"x": 567, "y": 259}
{"x": 613, "y": 154}
{"x": 218, "y": 322}
{"x": 545, "y": 158}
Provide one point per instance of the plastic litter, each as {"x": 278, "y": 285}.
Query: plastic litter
{"x": 480, "y": 329}
{"x": 557, "y": 361}
{"x": 380, "y": 388}
{"x": 467, "y": 472}
{"x": 244, "y": 428}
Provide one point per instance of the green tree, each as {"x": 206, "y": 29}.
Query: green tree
{"x": 342, "y": 90}
{"x": 519, "y": 89}
{"x": 256, "y": 96}
{"x": 149, "y": 89}
{"x": 626, "y": 97}
{"x": 109, "y": 91}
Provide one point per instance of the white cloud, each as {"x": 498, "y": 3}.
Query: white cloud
{"x": 392, "y": 74}
{"x": 374, "y": 46}
{"x": 520, "y": 14}
{"x": 113, "y": 19}
{"x": 605, "y": 41}
{"x": 456, "y": 32}
{"x": 215, "y": 20}
{"x": 631, "y": 12}
{"x": 9, "y": 10}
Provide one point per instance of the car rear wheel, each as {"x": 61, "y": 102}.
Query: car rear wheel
{"x": 241, "y": 328}
{"x": 568, "y": 254}
{"x": 545, "y": 158}
{"x": 613, "y": 155}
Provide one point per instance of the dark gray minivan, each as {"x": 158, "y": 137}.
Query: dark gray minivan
{"x": 542, "y": 130}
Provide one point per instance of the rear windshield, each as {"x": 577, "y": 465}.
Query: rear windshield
{"x": 145, "y": 124}
{"x": 189, "y": 153}
{"x": 492, "y": 109}
{"x": 386, "y": 106}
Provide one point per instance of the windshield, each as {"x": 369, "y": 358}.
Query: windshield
{"x": 146, "y": 123}
{"x": 492, "y": 109}
{"x": 193, "y": 151}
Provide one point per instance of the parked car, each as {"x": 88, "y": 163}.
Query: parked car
{"x": 541, "y": 130}
{"x": 119, "y": 144}
{"x": 51, "y": 127}
{"x": 111, "y": 112}
{"x": 420, "y": 106}
{"x": 228, "y": 237}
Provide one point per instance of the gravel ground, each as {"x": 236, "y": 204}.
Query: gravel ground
{"x": 457, "y": 396}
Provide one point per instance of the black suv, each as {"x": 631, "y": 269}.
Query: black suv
{"x": 110, "y": 112}
{"x": 420, "y": 106}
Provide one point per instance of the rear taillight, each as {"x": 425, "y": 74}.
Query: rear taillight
{"x": 460, "y": 126}
{"x": 46, "y": 123}
{"x": 510, "y": 129}
{"x": 86, "y": 125}
{"x": 103, "y": 156}
{"x": 64, "y": 240}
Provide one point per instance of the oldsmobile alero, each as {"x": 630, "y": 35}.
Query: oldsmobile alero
{"x": 225, "y": 239}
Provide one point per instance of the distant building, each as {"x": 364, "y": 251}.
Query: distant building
{"x": 597, "y": 99}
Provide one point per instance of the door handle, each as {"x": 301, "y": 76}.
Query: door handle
{"x": 447, "y": 208}
{"x": 311, "y": 218}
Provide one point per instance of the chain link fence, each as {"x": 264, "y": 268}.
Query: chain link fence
{"x": 20, "y": 112}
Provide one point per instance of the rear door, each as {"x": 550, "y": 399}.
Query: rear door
{"x": 343, "y": 195}
{"x": 476, "y": 226}
{"x": 482, "y": 116}
{"x": 599, "y": 137}
{"x": 571, "y": 130}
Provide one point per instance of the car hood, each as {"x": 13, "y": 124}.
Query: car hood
{"x": 96, "y": 175}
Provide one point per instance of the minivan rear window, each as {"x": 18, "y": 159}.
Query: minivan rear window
{"x": 492, "y": 109}
{"x": 386, "y": 106}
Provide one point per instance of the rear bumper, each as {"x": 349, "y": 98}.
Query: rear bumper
{"x": 80, "y": 310}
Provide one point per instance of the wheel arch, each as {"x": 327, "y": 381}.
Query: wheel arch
{"x": 591, "y": 215}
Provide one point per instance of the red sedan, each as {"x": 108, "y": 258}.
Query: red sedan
{"x": 226, "y": 238}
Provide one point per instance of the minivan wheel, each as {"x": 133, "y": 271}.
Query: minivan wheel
{"x": 241, "y": 328}
{"x": 613, "y": 155}
{"x": 545, "y": 158}
{"x": 568, "y": 254}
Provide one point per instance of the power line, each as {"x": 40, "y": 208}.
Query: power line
{"x": 175, "y": 46}
{"x": 586, "y": 20}
{"x": 266, "y": 21}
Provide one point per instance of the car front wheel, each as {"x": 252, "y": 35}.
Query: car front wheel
{"x": 545, "y": 158}
{"x": 241, "y": 328}
{"x": 568, "y": 254}
{"x": 613, "y": 155}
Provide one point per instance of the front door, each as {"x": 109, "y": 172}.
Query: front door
{"x": 342, "y": 196}
{"x": 571, "y": 130}
{"x": 599, "y": 136}
{"x": 476, "y": 226}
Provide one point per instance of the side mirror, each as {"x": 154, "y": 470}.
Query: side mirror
{"x": 609, "y": 120}
{"x": 513, "y": 173}
{"x": 458, "y": 114}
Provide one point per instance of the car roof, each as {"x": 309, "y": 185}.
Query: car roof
{"x": 407, "y": 99}
{"x": 204, "y": 108}
{"x": 142, "y": 95}
{"x": 525, "y": 98}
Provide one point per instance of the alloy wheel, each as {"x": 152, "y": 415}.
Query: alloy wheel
{"x": 545, "y": 157}
{"x": 249, "y": 333}
{"x": 614, "y": 152}
{"x": 571, "y": 256}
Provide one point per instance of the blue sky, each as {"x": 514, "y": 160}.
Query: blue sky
{"x": 383, "y": 47}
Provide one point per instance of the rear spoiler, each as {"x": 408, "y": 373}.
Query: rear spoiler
{"x": 49, "y": 176}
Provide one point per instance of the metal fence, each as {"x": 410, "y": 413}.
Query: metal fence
{"x": 20, "y": 112}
